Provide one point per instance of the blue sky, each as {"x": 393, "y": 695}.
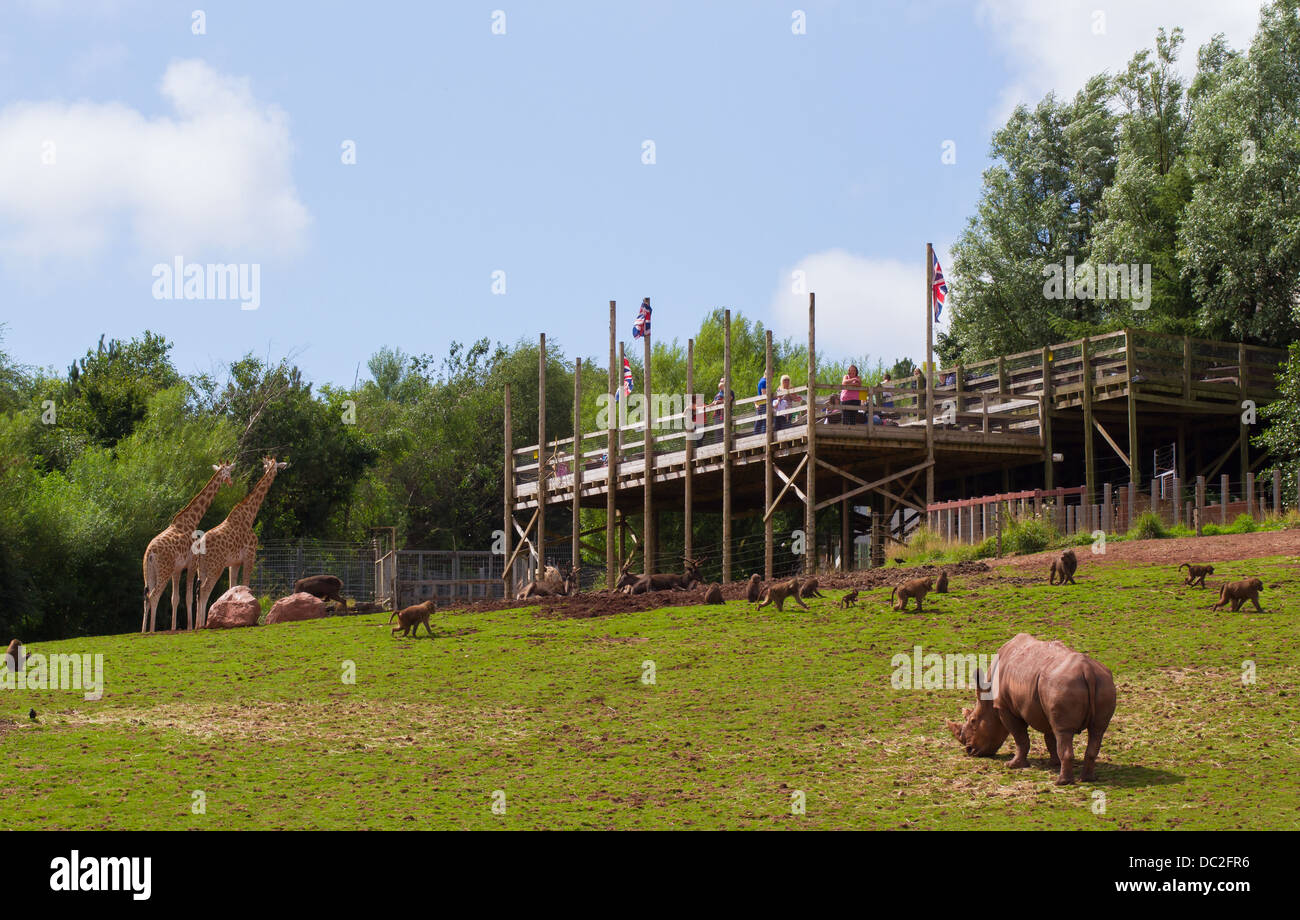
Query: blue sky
{"x": 126, "y": 140}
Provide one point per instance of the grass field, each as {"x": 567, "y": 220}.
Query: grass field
{"x": 746, "y": 710}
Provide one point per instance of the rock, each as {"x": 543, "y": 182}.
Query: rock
{"x": 296, "y": 607}
{"x": 237, "y": 607}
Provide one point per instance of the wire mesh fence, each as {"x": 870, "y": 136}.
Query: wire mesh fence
{"x": 280, "y": 563}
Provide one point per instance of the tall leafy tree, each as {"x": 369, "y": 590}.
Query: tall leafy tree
{"x": 1040, "y": 203}
{"x": 1238, "y": 237}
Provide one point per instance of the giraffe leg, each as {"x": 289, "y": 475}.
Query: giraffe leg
{"x": 205, "y": 589}
{"x": 151, "y": 602}
{"x": 177, "y": 577}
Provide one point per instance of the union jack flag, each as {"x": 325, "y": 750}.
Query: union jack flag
{"x": 627, "y": 377}
{"x": 642, "y": 325}
{"x": 940, "y": 288}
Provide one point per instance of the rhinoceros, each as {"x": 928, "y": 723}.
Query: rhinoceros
{"x": 1045, "y": 686}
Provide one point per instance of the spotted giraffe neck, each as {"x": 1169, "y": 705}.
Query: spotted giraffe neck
{"x": 245, "y": 512}
{"x": 188, "y": 517}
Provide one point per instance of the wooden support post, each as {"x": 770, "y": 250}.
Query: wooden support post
{"x": 877, "y": 538}
{"x": 577, "y": 463}
{"x": 1250, "y": 494}
{"x": 1155, "y": 496}
{"x": 1245, "y": 429}
{"x": 1049, "y": 473}
{"x": 649, "y": 539}
{"x": 1200, "y": 504}
{"x": 1180, "y": 449}
{"x": 1223, "y": 498}
{"x": 726, "y": 447}
{"x": 1089, "y": 453}
{"x": 1105, "y": 508}
{"x": 543, "y": 457}
{"x": 507, "y": 574}
{"x": 1132, "y": 503}
{"x": 1130, "y": 369}
{"x": 612, "y": 561}
{"x": 688, "y": 484}
{"x": 846, "y": 535}
{"x": 810, "y": 490}
{"x": 1178, "y": 500}
{"x": 769, "y": 446}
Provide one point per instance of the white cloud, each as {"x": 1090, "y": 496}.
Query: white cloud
{"x": 214, "y": 179}
{"x": 1054, "y": 44}
{"x": 864, "y": 306}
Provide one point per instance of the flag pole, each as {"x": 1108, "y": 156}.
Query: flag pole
{"x": 929, "y": 377}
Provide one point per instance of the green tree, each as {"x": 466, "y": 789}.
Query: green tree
{"x": 1238, "y": 238}
{"x": 1040, "y": 202}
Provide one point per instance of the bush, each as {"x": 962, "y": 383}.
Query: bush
{"x": 1148, "y": 526}
{"x": 1031, "y": 535}
{"x": 1243, "y": 524}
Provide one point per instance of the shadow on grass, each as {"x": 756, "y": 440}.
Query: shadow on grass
{"x": 1127, "y": 776}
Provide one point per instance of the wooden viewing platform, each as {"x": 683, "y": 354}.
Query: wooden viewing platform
{"x": 993, "y": 424}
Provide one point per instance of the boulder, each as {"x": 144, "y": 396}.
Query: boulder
{"x": 296, "y": 607}
{"x": 237, "y": 607}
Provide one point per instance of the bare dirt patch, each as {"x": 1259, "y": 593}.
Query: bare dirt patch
{"x": 1176, "y": 550}
{"x": 347, "y": 725}
{"x": 600, "y": 604}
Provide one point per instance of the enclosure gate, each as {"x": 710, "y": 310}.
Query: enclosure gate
{"x": 447, "y": 575}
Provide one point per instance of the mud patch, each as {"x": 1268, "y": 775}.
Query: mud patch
{"x": 600, "y": 604}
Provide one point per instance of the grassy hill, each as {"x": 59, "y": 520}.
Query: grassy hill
{"x": 746, "y": 709}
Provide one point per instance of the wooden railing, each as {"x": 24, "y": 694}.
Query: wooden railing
{"x": 1002, "y": 398}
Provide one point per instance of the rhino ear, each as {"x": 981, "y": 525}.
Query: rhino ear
{"x": 979, "y": 682}
{"x": 956, "y": 730}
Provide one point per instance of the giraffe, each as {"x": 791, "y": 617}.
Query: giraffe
{"x": 232, "y": 543}
{"x": 170, "y": 553}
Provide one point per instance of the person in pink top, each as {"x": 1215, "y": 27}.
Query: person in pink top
{"x": 850, "y": 395}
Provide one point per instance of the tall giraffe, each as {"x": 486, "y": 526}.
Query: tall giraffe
{"x": 232, "y": 543}
{"x": 169, "y": 555}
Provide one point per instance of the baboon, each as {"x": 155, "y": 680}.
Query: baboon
{"x": 1238, "y": 592}
{"x": 755, "y": 588}
{"x": 941, "y": 586}
{"x": 11, "y": 657}
{"x": 913, "y": 587}
{"x": 410, "y": 618}
{"x": 1196, "y": 573}
{"x": 777, "y": 592}
{"x": 850, "y": 599}
{"x": 713, "y": 595}
{"x": 1063, "y": 566}
{"x": 809, "y": 588}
